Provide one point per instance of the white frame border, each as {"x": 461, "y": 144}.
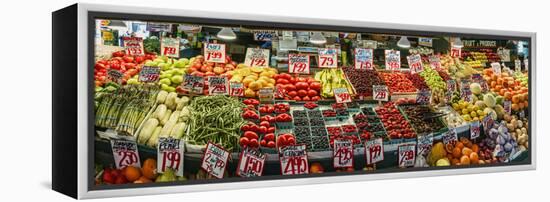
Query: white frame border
{"x": 82, "y": 103}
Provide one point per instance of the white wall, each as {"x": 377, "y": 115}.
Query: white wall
{"x": 26, "y": 98}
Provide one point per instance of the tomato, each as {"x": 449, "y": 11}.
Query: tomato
{"x": 310, "y": 80}
{"x": 315, "y": 98}
{"x": 301, "y": 79}
{"x": 269, "y": 137}
{"x": 290, "y": 140}
{"x": 99, "y": 66}
{"x": 271, "y": 144}
{"x": 297, "y": 98}
{"x": 282, "y": 81}
{"x": 311, "y": 93}
{"x": 128, "y": 59}
{"x": 315, "y": 86}
{"x": 275, "y": 76}
{"x": 250, "y": 135}
{"x": 263, "y": 143}
{"x": 281, "y": 141}
{"x": 244, "y": 141}
{"x": 265, "y": 123}
{"x": 254, "y": 143}
{"x": 292, "y": 94}
{"x": 262, "y": 130}
{"x": 290, "y": 87}
{"x": 302, "y": 93}
{"x": 306, "y": 98}
{"x": 302, "y": 86}
{"x": 285, "y": 76}
{"x": 292, "y": 80}
{"x": 271, "y": 129}
{"x": 245, "y": 128}
{"x": 280, "y": 86}
{"x": 254, "y": 128}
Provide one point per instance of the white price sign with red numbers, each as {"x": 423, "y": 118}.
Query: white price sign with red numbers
{"x": 435, "y": 62}
{"x": 293, "y": 160}
{"x": 298, "y": 63}
{"x": 364, "y": 58}
{"x": 193, "y": 84}
{"x": 170, "y": 155}
{"x": 125, "y": 153}
{"x": 455, "y": 52}
{"x": 214, "y": 52}
{"x": 415, "y": 63}
{"x": 217, "y": 85}
{"x": 380, "y": 93}
{"x": 406, "y": 155}
{"x": 343, "y": 154}
{"x": 214, "y": 160}
{"x": 474, "y": 130}
{"x": 170, "y": 47}
{"x": 328, "y": 58}
{"x": 236, "y": 89}
{"x": 257, "y": 57}
{"x": 374, "y": 151}
{"x": 393, "y": 59}
{"x": 342, "y": 95}
{"x": 133, "y": 46}
{"x": 149, "y": 74}
{"x": 251, "y": 163}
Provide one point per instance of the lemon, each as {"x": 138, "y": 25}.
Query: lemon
{"x": 465, "y": 111}
{"x": 473, "y": 114}
{"x": 455, "y": 106}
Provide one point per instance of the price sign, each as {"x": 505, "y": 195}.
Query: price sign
{"x": 279, "y": 93}
{"x": 380, "y": 93}
{"x": 456, "y": 52}
{"x": 423, "y": 97}
{"x": 293, "y": 160}
{"x": 517, "y": 65}
{"x": 474, "y": 130}
{"x": 466, "y": 93}
{"x": 507, "y": 106}
{"x": 263, "y": 36}
{"x": 450, "y": 136}
{"x": 257, "y": 57}
{"x": 251, "y": 163}
{"x": 487, "y": 122}
{"x": 343, "y": 154}
{"x": 266, "y": 95}
{"x": 342, "y": 95}
{"x": 504, "y": 54}
{"x": 496, "y": 68}
{"x": 406, "y": 155}
{"x": 149, "y": 74}
{"x": 298, "y": 63}
{"x": 214, "y": 52}
{"x": 451, "y": 85}
{"x": 133, "y": 46}
{"x": 217, "y": 85}
{"x": 425, "y": 144}
{"x": 415, "y": 63}
{"x": 236, "y": 89}
{"x": 435, "y": 62}
{"x": 170, "y": 47}
{"x": 114, "y": 75}
{"x": 425, "y": 42}
{"x": 393, "y": 59}
{"x": 125, "y": 153}
{"x": 193, "y": 84}
{"x": 364, "y": 58}
{"x": 374, "y": 151}
{"x": 215, "y": 160}
{"x": 526, "y": 64}
{"x": 170, "y": 155}
{"x": 328, "y": 57}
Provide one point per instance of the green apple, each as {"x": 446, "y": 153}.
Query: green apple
{"x": 177, "y": 79}
{"x": 179, "y": 71}
{"x": 179, "y": 64}
{"x": 165, "y": 81}
{"x": 164, "y": 87}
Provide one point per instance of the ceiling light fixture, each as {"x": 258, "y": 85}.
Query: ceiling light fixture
{"x": 404, "y": 42}
{"x": 317, "y": 38}
{"x": 226, "y": 34}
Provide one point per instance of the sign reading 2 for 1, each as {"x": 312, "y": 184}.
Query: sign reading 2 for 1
{"x": 293, "y": 160}
{"x": 214, "y": 52}
{"x": 328, "y": 57}
{"x": 125, "y": 153}
{"x": 298, "y": 63}
{"x": 215, "y": 160}
{"x": 363, "y": 59}
{"x": 251, "y": 163}
{"x": 343, "y": 154}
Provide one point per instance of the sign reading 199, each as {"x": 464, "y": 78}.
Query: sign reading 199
{"x": 214, "y": 52}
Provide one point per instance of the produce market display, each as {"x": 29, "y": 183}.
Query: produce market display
{"x": 221, "y": 108}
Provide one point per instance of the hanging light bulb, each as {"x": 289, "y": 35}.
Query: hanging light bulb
{"x": 317, "y": 38}
{"x": 404, "y": 42}
{"x": 226, "y": 34}
{"x": 458, "y": 43}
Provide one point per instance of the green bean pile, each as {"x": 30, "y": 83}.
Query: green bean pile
{"x": 216, "y": 119}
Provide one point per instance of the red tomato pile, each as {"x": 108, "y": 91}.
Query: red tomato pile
{"x": 298, "y": 88}
{"x": 398, "y": 83}
{"x": 127, "y": 65}
{"x": 286, "y": 139}
{"x": 396, "y": 125}
{"x": 268, "y": 140}
{"x": 200, "y": 67}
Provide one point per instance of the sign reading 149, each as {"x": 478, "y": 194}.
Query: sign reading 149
{"x": 214, "y": 52}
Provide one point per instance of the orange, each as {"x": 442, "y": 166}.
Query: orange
{"x": 474, "y": 158}
{"x": 459, "y": 145}
{"x": 455, "y": 161}
{"x": 464, "y": 160}
{"x": 466, "y": 151}
{"x": 132, "y": 173}
{"x": 149, "y": 169}
{"x": 475, "y": 148}
{"x": 457, "y": 152}
{"x": 449, "y": 148}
